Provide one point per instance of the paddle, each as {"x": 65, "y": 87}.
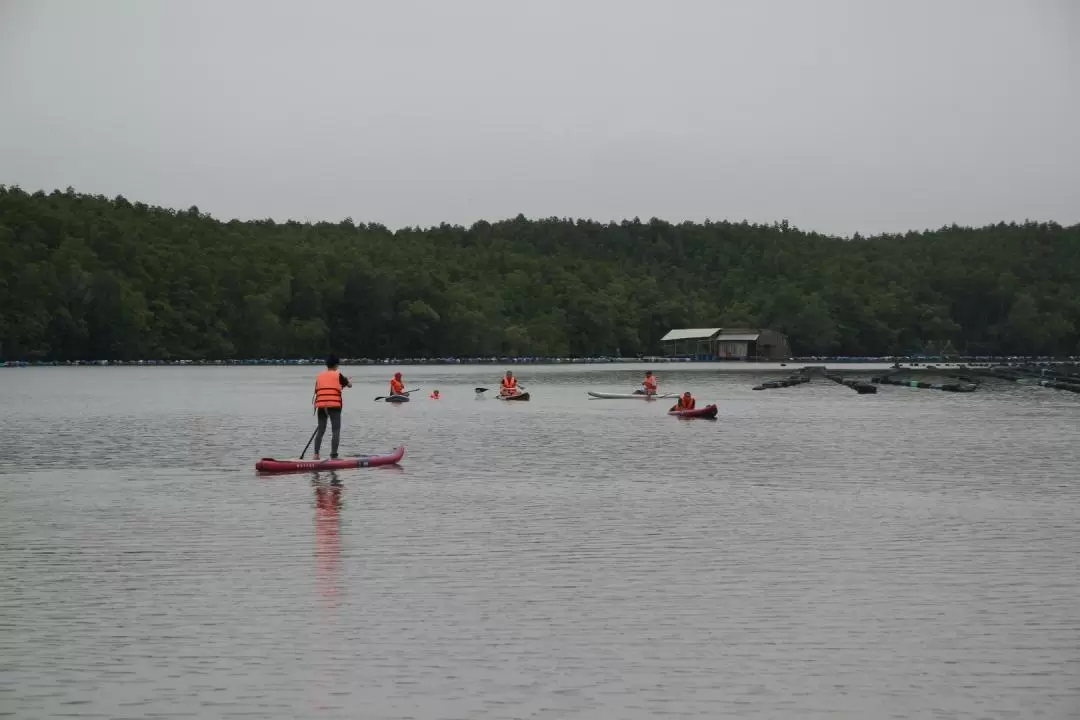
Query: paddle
{"x": 484, "y": 390}
{"x": 309, "y": 443}
{"x": 407, "y": 392}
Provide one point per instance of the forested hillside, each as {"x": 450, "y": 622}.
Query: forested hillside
{"x": 87, "y": 277}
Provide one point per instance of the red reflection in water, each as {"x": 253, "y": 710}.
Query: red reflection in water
{"x": 327, "y": 535}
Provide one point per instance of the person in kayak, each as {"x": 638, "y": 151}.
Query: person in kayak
{"x": 327, "y": 402}
{"x": 686, "y": 402}
{"x": 648, "y": 385}
{"x": 397, "y": 387}
{"x": 509, "y": 385}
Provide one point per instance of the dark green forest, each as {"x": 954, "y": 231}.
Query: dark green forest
{"x": 88, "y": 277}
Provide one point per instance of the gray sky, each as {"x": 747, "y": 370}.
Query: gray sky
{"x": 865, "y": 115}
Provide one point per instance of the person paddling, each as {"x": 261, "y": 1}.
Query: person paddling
{"x": 686, "y": 402}
{"x": 648, "y": 385}
{"x": 327, "y": 402}
{"x": 397, "y": 386}
{"x": 509, "y": 385}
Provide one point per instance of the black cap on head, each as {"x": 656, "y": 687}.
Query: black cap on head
{"x": 331, "y": 361}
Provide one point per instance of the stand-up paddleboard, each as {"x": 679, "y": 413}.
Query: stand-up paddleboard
{"x": 272, "y": 465}
{"x": 628, "y": 396}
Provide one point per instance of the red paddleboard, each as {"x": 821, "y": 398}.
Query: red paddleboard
{"x": 271, "y": 465}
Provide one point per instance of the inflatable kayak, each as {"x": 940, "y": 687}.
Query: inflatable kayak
{"x": 628, "y": 396}
{"x": 709, "y": 411}
{"x": 271, "y": 465}
{"x": 397, "y": 399}
{"x": 519, "y": 396}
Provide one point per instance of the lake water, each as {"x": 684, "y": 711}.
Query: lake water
{"x": 814, "y": 553}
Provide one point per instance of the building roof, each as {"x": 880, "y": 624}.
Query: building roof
{"x": 690, "y": 334}
{"x": 738, "y": 337}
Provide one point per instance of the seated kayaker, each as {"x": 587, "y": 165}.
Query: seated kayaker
{"x": 397, "y": 387}
{"x": 648, "y": 385}
{"x": 508, "y": 386}
{"x": 686, "y": 402}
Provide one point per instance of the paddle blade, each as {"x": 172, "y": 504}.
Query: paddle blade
{"x": 481, "y": 390}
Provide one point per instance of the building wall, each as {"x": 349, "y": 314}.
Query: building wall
{"x": 732, "y": 349}
{"x": 773, "y": 345}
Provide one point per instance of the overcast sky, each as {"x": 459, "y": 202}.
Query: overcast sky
{"x": 839, "y": 115}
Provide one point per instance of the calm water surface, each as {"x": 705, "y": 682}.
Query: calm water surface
{"x": 812, "y": 554}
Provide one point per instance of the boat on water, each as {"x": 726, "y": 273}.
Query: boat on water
{"x": 708, "y": 412}
{"x": 628, "y": 396}
{"x": 397, "y": 399}
{"x": 520, "y": 396}
{"x": 274, "y": 465}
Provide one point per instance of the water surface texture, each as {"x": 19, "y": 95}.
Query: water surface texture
{"x": 813, "y": 553}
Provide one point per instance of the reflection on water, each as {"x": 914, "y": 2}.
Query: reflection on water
{"x": 328, "y": 492}
{"x": 811, "y": 554}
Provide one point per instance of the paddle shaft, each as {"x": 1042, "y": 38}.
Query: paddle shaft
{"x": 309, "y": 442}
{"x": 484, "y": 390}
{"x": 407, "y": 392}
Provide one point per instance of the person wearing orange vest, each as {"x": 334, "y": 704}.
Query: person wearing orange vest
{"x": 649, "y": 384}
{"x": 508, "y": 386}
{"x": 397, "y": 387}
{"x": 686, "y": 402}
{"x": 327, "y": 402}
{"x": 434, "y": 394}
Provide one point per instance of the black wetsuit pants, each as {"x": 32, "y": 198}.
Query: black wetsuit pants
{"x": 335, "y": 425}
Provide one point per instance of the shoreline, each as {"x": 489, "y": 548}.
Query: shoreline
{"x": 654, "y": 360}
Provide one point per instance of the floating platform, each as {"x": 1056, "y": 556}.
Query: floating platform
{"x": 786, "y": 382}
{"x": 946, "y": 387}
{"x": 860, "y": 386}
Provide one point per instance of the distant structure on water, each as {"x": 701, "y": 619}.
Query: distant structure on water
{"x": 726, "y": 344}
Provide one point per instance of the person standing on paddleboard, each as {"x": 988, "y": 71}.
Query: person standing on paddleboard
{"x": 649, "y": 384}
{"x": 508, "y": 386}
{"x": 397, "y": 385}
{"x": 327, "y": 402}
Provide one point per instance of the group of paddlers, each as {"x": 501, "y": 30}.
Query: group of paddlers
{"x": 330, "y": 382}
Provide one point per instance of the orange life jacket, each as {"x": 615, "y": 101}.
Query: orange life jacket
{"x": 509, "y": 383}
{"x": 396, "y": 387}
{"x": 650, "y": 384}
{"x": 686, "y": 404}
{"x": 328, "y": 389}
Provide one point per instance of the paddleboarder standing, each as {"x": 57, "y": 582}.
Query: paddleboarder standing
{"x": 327, "y": 402}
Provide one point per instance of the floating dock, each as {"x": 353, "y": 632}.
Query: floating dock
{"x": 860, "y": 386}
{"x": 786, "y": 382}
{"x": 960, "y": 387}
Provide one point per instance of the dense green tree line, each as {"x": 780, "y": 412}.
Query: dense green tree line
{"x": 88, "y": 277}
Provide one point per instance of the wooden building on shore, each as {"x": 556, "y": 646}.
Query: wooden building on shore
{"x": 726, "y": 344}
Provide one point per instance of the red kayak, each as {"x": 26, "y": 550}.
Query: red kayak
{"x": 270, "y": 465}
{"x": 709, "y": 412}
